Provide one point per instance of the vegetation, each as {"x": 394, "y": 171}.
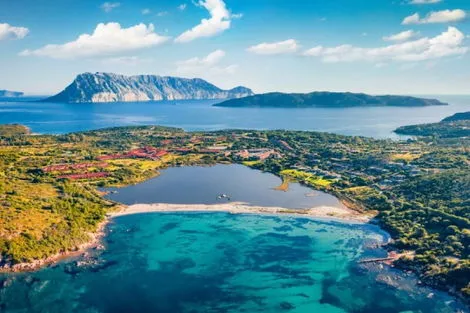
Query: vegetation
{"x": 419, "y": 188}
{"x": 325, "y": 99}
{"x": 456, "y": 126}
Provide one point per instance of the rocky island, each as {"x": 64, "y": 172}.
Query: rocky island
{"x": 10, "y": 94}
{"x": 108, "y": 87}
{"x": 326, "y": 99}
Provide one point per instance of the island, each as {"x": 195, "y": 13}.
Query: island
{"x": 455, "y": 126}
{"x": 109, "y": 87}
{"x": 325, "y": 99}
{"x": 51, "y": 203}
{"x": 10, "y": 94}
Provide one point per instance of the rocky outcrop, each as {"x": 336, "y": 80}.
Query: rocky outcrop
{"x": 107, "y": 87}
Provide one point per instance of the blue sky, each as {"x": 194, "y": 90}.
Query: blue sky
{"x": 373, "y": 46}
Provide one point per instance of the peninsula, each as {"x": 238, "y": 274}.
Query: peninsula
{"x": 325, "y": 99}
{"x": 108, "y": 87}
{"x": 50, "y": 203}
{"x": 455, "y": 126}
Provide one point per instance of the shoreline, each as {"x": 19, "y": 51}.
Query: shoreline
{"x": 340, "y": 214}
{"x": 94, "y": 242}
{"x": 320, "y": 212}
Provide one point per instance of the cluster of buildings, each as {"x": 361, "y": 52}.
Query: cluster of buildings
{"x": 258, "y": 154}
{"x": 150, "y": 153}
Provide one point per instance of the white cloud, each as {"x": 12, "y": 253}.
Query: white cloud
{"x": 403, "y": 36}
{"x": 444, "y": 16}
{"x": 126, "y": 60}
{"x": 182, "y": 7}
{"x": 211, "y": 59}
{"x": 162, "y": 13}
{"x": 425, "y": 1}
{"x": 109, "y": 6}
{"x": 107, "y": 39}
{"x": 207, "y": 64}
{"x": 146, "y": 11}
{"x": 448, "y": 43}
{"x": 281, "y": 47}
{"x": 218, "y": 22}
{"x": 12, "y": 32}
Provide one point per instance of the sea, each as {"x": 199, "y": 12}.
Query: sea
{"x": 221, "y": 262}
{"x": 377, "y": 122}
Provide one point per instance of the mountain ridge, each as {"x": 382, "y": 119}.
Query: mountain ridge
{"x": 325, "y": 99}
{"x": 110, "y": 87}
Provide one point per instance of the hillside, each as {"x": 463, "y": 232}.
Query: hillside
{"x": 107, "y": 87}
{"x": 455, "y": 126}
{"x": 326, "y": 99}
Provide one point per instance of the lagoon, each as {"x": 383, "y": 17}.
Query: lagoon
{"x": 221, "y": 262}
{"x": 202, "y": 185}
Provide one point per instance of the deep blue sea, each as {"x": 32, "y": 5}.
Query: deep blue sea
{"x": 376, "y": 122}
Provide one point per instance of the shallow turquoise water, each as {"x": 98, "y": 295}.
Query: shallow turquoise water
{"x": 217, "y": 262}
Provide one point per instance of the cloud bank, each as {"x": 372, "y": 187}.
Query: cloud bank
{"x": 448, "y": 43}
{"x": 444, "y": 16}
{"x": 107, "y": 39}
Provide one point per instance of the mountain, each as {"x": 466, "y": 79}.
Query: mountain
{"x": 455, "y": 126}
{"x": 107, "y": 87}
{"x": 10, "y": 94}
{"x": 326, "y": 99}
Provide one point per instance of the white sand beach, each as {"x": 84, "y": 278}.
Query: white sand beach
{"x": 341, "y": 213}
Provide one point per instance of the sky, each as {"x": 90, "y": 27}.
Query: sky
{"x": 374, "y": 46}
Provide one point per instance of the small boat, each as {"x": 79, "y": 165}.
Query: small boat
{"x": 223, "y": 196}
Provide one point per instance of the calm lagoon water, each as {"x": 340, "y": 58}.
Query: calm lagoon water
{"x": 202, "y": 185}
{"x": 376, "y": 122}
{"x": 219, "y": 262}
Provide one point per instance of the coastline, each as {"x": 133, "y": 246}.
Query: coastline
{"x": 93, "y": 242}
{"x": 324, "y": 212}
{"x": 342, "y": 214}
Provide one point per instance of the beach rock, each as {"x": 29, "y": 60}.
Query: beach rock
{"x": 286, "y": 306}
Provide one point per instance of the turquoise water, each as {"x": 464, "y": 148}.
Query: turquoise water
{"x": 217, "y": 262}
{"x": 376, "y": 122}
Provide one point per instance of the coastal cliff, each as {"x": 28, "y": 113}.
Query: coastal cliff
{"x": 108, "y": 87}
{"x": 326, "y": 99}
